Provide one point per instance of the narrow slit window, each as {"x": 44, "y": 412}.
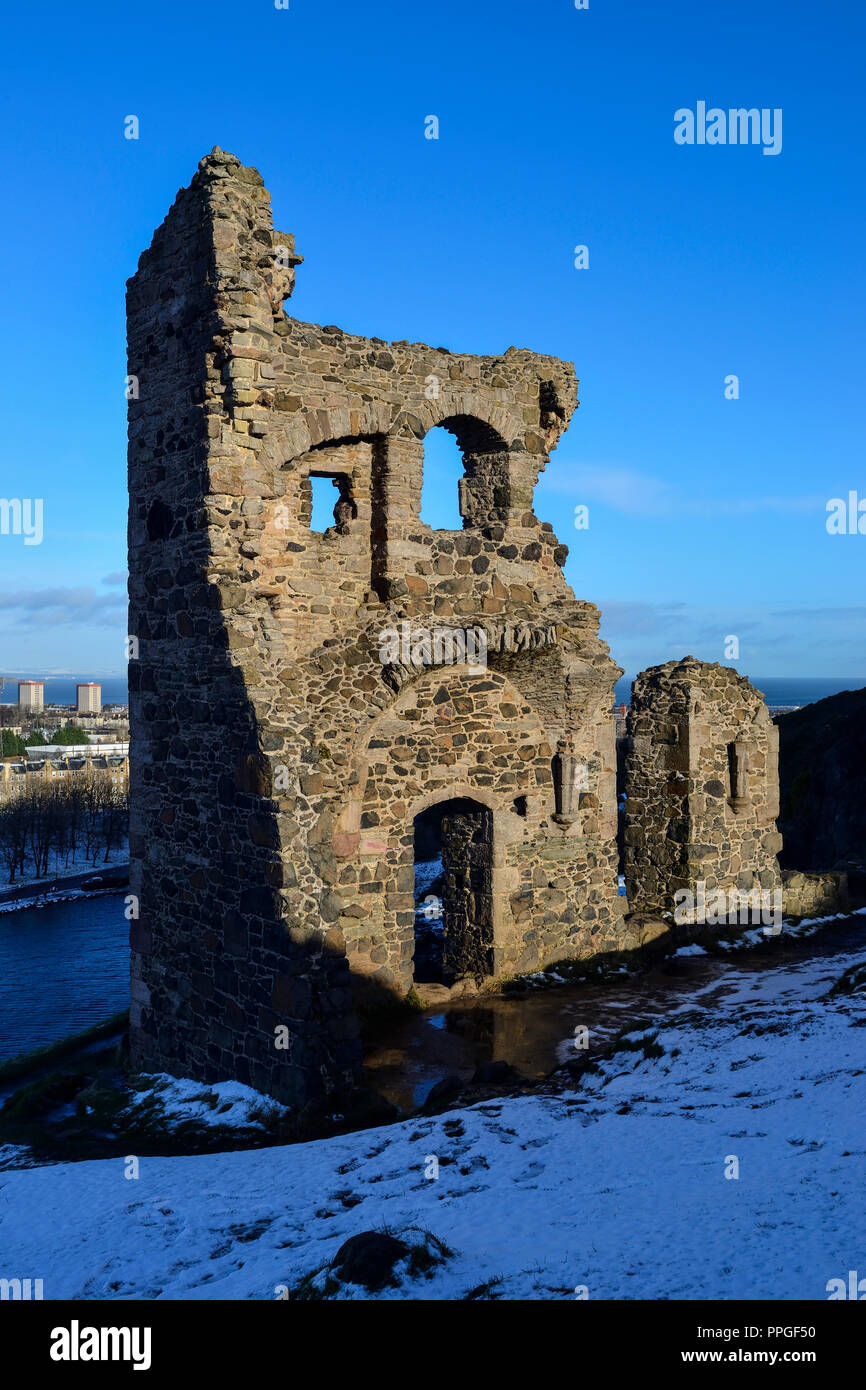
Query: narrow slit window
{"x": 738, "y": 765}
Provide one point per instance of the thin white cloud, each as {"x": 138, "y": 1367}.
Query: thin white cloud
{"x": 638, "y": 494}
{"x": 61, "y": 606}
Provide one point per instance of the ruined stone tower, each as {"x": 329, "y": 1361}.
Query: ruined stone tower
{"x": 702, "y": 786}
{"x": 283, "y": 741}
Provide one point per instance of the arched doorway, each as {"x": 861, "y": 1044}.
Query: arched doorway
{"x": 453, "y": 850}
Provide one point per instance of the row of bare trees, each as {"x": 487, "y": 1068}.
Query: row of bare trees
{"x": 47, "y": 827}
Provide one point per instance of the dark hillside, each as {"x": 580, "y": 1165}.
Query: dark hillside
{"x": 822, "y": 783}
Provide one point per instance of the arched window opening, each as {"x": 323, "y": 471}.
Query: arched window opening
{"x": 440, "y": 485}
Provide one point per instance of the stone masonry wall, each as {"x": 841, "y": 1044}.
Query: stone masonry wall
{"x": 701, "y": 786}
{"x": 277, "y": 759}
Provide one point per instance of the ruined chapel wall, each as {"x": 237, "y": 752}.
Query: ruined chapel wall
{"x": 215, "y": 968}
{"x": 701, "y": 785}
{"x": 260, "y": 676}
{"x": 448, "y": 735}
{"x": 318, "y": 580}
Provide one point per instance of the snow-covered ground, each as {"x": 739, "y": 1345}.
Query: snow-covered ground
{"x": 62, "y": 894}
{"x": 621, "y": 1186}
{"x": 63, "y": 869}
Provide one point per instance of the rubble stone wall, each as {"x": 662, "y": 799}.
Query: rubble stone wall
{"x": 702, "y": 787}
{"x": 278, "y": 758}
{"x": 297, "y": 697}
{"x": 814, "y": 895}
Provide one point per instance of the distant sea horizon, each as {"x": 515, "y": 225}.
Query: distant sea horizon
{"x": 777, "y": 690}
{"x": 60, "y": 690}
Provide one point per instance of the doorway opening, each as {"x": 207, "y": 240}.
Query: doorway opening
{"x": 453, "y": 892}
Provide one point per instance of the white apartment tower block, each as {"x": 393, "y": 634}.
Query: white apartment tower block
{"x": 88, "y": 698}
{"x": 30, "y": 695}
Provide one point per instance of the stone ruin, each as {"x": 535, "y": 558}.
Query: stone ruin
{"x": 302, "y": 700}
{"x": 702, "y": 788}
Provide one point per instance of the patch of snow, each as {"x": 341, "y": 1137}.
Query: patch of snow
{"x": 228, "y": 1104}
{"x": 15, "y": 1156}
{"x": 61, "y": 895}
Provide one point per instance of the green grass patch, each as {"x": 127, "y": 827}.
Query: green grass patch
{"x": 27, "y": 1062}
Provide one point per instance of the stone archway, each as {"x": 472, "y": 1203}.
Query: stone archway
{"x": 448, "y": 735}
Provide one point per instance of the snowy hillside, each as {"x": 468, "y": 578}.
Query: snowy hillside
{"x": 618, "y": 1185}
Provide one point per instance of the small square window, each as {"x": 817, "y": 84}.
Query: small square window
{"x": 333, "y": 505}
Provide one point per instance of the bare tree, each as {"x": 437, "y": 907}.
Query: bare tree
{"x": 14, "y": 820}
{"x": 87, "y": 811}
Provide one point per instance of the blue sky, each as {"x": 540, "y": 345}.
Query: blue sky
{"x": 706, "y": 515}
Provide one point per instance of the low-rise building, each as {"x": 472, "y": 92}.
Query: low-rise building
{"x": 110, "y": 724}
{"x": 22, "y": 774}
{"x": 79, "y": 750}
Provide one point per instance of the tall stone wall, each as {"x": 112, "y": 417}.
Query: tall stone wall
{"x": 278, "y": 757}
{"x": 701, "y": 783}
{"x": 217, "y": 969}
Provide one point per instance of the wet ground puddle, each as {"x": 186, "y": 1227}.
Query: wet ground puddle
{"x": 536, "y": 1032}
